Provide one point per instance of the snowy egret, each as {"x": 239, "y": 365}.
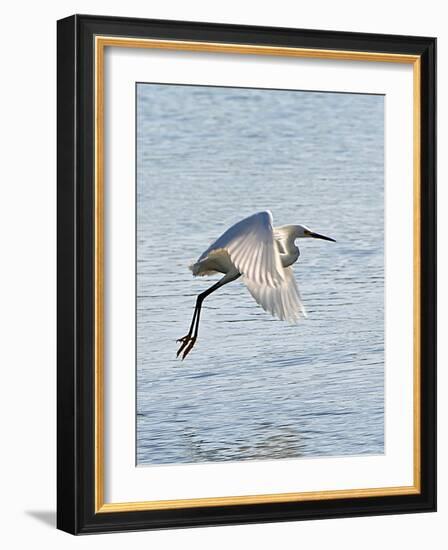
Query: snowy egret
{"x": 263, "y": 256}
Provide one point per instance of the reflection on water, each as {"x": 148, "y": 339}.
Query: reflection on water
{"x": 284, "y": 444}
{"x": 254, "y": 387}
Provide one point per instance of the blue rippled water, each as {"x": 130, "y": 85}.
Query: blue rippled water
{"x": 254, "y": 387}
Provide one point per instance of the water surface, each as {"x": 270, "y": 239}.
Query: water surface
{"x": 255, "y": 387}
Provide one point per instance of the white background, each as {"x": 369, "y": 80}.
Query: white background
{"x": 28, "y": 305}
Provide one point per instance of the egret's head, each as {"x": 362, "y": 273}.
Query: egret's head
{"x": 305, "y": 232}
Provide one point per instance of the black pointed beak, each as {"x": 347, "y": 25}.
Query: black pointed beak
{"x": 317, "y": 236}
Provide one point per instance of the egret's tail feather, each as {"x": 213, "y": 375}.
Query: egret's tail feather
{"x": 217, "y": 261}
{"x": 193, "y": 268}
{"x": 198, "y": 270}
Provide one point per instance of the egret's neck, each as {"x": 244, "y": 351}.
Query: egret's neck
{"x": 290, "y": 257}
{"x": 291, "y": 251}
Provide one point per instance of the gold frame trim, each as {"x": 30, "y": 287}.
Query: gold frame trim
{"x": 101, "y": 42}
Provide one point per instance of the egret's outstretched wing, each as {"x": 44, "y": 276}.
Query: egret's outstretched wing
{"x": 282, "y": 301}
{"x": 251, "y": 247}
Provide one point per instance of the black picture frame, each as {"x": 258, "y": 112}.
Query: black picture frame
{"x": 76, "y": 512}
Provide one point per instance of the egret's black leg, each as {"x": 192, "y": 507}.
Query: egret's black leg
{"x": 188, "y": 341}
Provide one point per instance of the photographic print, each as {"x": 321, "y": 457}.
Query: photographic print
{"x": 246, "y": 274}
{"x": 259, "y": 274}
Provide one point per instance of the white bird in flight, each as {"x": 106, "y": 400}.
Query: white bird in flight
{"x": 263, "y": 256}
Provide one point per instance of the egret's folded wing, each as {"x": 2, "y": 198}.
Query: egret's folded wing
{"x": 282, "y": 301}
{"x": 252, "y": 249}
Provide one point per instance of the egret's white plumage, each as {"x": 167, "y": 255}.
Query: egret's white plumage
{"x": 262, "y": 255}
{"x": 255, "y": 250}
{"x": 282, "y": 301}
{"x": 251, "y": 249}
